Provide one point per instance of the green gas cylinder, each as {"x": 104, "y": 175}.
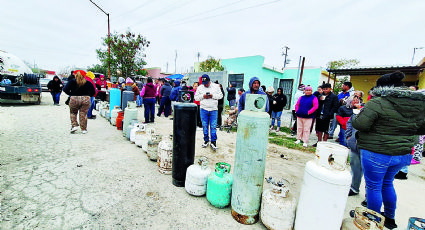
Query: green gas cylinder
{"x": 219, "y": 185}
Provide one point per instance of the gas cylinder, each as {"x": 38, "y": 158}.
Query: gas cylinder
{"x": 114, "y": 98}
{"x": 114, "y": 115}
{"x": 331, "y": 155}
{"x": 323, "y": 196}
{"x": 365, "y": 219}
{"x": 130, "y": 127}
{"x": 250, "y": 159}
{"x": 165, "y": 155}
{"x": 126, "y": 97}
{"x": 219, "y": 185}
{"x": 153, "y": 142}
{"x": 130, "y": 113}
{"x": 197, "y": 177}
{"x": 106, "y": 111}
{"x": 146, "y": 138}
{"x": 278, "y": 206}
{"x": 101, "y": 108}
{"x": 137, "y": 127}
{"x": 120, "y": 117}
{"x": 139, "y": 136}
{"x": 184, "y": 133}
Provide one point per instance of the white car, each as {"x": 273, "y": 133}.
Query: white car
{"x": 43, "y": 83}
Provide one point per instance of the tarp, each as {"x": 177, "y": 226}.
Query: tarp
{"x": 175, "y": 76}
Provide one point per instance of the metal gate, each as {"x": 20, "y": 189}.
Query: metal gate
{"x": 286, "y": 85}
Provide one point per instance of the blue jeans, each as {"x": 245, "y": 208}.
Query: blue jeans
{"x": 164, "y": 106}
{"x": 149, "y": 104}
{"x": 333, "y": 125}
{"x": 356, "y": 171}
{"x": 89, "y": 113}
{"x": 341, "y": 137}
{"x": 209, "y": 119}
{"x": 56, "y": 96}
{"x": 379, "y": 171}
{"x": 276, "y": 115}
{"x": 139, "y": 100}
{"x": 232, "y": 102}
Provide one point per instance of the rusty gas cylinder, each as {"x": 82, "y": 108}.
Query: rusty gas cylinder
{"x": 165, "y": 155}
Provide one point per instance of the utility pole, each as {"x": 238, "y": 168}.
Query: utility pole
{"x": 199, "y": 55}
{"x": 109, "y": 35}
{"x": 285, "y": 53}
{"x": 175, "y": 63}
{"x": 167, "y": 68}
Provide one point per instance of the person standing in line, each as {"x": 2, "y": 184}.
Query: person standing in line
{"x": 328, "y": 105}
{"x": 208, "y": 94}
{"x": 55, "y": 87}
{"x": 139, "y": 100}
{"x": 148, "y": 94}
{"x": 269, "y": 93}
{"x": 136, "y": 91}
{"x": 158, "y": 90}
{"x": 231, "y": 95}
{"x": 388, "y": 126}
{"x": 343, "y": 115}
{"x": 89, "y": 77}
{"x": 198, "y": 103}
{"x": 355, "y": 160}
{"x": 254, "y": 88}
{"x": 80, "y": 91}
{"x": 347, "y": 91}
{"x": 279, "y": 102}
{"x": 305, "y": 109}
{"x": 238, "y": 96}
{"x": 298, "y": 94}
{"x": 220, "y": 107}
{"x": 165, "y": 99}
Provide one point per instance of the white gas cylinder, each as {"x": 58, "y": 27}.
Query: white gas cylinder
{"x": 197, "y": 177}
{"x": 323, "y": 197}
{"x": 331, "y": 155}
{"x": 114, "y": 114}
{"x": 139, "y": 136}
{"x": 146, "y": 138}
{"x": 165, "y": 155}
{"x": 278, "y": 206}
{"x": 102, "y": 103}
{"x": 137, "y": 127}
{"x": 153, "y": 142}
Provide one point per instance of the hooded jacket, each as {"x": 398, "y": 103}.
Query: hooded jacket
{"x": 166, "y": 90}
{"x": 231, "y": 93}
{"x": 388, "y": 124}
{"x": 328, "y": 107}
{"x": 148, "y": 91}
{"x": 241, "y": 103}
{"x": 280, "y": 101}
{"x": 174, "y": 96}
{"x": 55, "y": 86}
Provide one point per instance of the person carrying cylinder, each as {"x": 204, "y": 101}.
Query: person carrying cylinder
{"x": 208, "y": 94}
{"x": 254, "y": 88}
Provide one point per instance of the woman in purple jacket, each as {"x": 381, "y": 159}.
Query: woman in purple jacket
{"x": 305, "y": 108}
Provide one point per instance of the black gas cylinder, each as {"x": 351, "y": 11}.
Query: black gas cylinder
{"x": 184, "y": 133}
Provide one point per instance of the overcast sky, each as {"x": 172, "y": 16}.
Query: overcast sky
{"x": 55, "y": 34}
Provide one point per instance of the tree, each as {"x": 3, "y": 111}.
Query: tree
{"x": 97, "y": 68}
{"x": 211, "y": 65}
{"x": 346, "y": 63}
{"x": 127, "y": 53}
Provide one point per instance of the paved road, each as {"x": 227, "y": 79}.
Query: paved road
{"x": 51, "y": 179}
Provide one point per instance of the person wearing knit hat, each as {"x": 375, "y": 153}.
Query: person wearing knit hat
{"x": 305, "y": 109}
{"x": 388, "y": 126}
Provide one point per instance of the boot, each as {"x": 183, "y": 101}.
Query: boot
{"x": 389, "y": 223}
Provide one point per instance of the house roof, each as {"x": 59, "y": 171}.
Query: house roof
{"x": 375, "y": 70}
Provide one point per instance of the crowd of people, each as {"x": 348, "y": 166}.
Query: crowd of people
{"x": 384, "y": 135}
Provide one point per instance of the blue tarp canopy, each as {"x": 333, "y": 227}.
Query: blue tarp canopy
{"x": 175, "y": 76}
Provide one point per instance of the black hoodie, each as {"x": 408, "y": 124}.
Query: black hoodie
{"x": 55, "y": 86}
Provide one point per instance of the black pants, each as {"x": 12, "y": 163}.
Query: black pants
{"x": 198, "y": 119}
{"x": 220, "y": 111}
{"x": 294, "y": 117}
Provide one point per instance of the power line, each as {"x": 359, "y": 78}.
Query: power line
{"x": 144, "y": 4}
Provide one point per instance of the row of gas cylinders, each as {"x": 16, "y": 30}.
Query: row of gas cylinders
{"x": 152, "y": 143}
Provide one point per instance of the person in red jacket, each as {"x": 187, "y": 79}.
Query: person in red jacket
{"x": 343, "y": 115}
{"x": 198, "y": 103}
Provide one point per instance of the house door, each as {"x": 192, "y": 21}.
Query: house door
{"x": 286, "y": 85}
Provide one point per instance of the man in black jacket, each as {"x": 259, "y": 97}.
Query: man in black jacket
{"x": 328, "y": 105}
{"x": 55, "y": 87}
{"x": 231, "y": 95}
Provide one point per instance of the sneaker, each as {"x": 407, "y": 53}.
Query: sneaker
{"x": 389, "y": 223}
{"x": 314, "y": 145}
{"x": 213, "y": 145}
{"x": 293, "y": 133}
{"x": 298, "y": 142}
{"x": 401, "y": 176}
{"x": 73, "y": 129}
{"x": 330, "y": 137}
{"x": 205, "y": 144}
{"x": 278, "y": 129}
{"x": 84, "y": 131}
{"x": 305, "y": 145}
{"x": 364, "y": 203}
{"x": 352, "y": 193}
{"x": 271, "y": 128}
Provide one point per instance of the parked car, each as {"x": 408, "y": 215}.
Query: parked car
{"x": 43, "y": 83}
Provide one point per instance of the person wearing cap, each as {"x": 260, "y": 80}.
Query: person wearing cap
{"x": 269, "y": 93}
{"x": 298, "y": 94}
{"x": 254, "y": 88}
{"x": 208, "y": 94}
{"x": 148, "y": 94}
{"x": 328, "y": 105}
{"x": 80, "y": 91}
{"x": 279, "y": 102}
{"x": 388, "y": 127}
